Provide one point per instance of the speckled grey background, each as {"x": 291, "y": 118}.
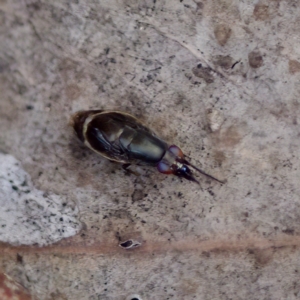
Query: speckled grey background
{"x": 218, "y": 78}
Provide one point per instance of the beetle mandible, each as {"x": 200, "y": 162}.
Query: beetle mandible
{"x": 120, "y": 137}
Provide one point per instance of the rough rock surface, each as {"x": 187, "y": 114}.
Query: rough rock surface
{"x": 218, "y": 78}
{"x": 11, "y": 290}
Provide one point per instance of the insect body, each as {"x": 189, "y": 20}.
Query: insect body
{"x": 122, "y": 138}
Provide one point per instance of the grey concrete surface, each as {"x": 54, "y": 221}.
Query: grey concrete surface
{"x": 218, "y": 78}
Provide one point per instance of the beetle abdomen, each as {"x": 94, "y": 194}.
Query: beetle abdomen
{"x": 141, "y": 145}
{"x": 118, "y": 136}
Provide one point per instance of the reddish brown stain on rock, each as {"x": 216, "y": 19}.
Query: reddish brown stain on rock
{"x": 261, "y": 12}
{"x": 287, "y": 114}
{"x": 188, "y": 287}
{"x": 219, "y": 157}
{"x": 262, "y": 256}
{"x": 222, "y": 33}
{"x": 204, "y": 73}
{"x": 294, "y": 66}
{"x": 72, "y": 91}
{"x": 230, "y": 137}
{"x": 67, "y": 69}
{"x": 218, "y": 246}
{"x": 137, "y": 195}
{"x": 84, "y": 179}
{"x": 224, "y": 61}
{"x": 200, "y": 5}
{"x": 255, "y": 59}
{"x": 11, "y": 290}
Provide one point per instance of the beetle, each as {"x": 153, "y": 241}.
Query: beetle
{"x": 120, "y": 137}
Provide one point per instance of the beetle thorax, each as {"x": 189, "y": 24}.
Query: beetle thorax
{"x": 178, "y": 164}
{"x": 169, "y": 158}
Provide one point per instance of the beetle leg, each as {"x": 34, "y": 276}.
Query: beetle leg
{"x": 126, "y": 166}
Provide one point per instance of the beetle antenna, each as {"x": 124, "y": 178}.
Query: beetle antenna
{"x": 202, "y": 172}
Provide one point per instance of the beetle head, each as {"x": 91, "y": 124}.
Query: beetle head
{"x": 182, "y": 170}
{"x": 175, "y": 163}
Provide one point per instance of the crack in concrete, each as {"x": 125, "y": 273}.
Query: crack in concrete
{"x": 216, "y": 245}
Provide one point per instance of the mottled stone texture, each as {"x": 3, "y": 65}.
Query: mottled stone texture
{"x": 11, "y": 290}
{"x": 218, "y": 78}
